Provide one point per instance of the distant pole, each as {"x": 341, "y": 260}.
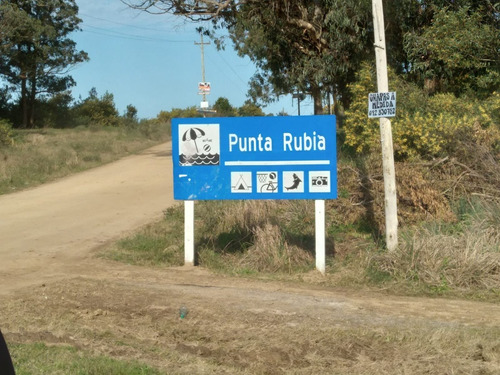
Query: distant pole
{"x": 202, "y": 44}
{"x": 391, "y": 210}
{"x": 299, "y": 97}
{"x": 189, "y": 253}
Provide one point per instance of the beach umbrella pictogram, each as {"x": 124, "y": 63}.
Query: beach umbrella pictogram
{"x": 193, "y": 134}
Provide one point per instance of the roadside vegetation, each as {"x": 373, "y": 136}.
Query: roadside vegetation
{"x": 38, "y": 358}
{"x": 37, "y": 156}
{"x": 448, "y": 180}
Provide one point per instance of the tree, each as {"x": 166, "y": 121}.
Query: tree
{"x": 5, "y": 103}
{"x": 250, "y": 109}
{"x": 224, "y": 108}
{"x": 458, "y": 52}
{"x": 35, "y": 49}
{"x": 131, "y": 113}
{"x": 315, "y": 47}
{"x": 438, "y": 43}
{"x": 55, "y": 111}
{"x": 307, "y": 46}
{"x": 97, "y": 111}
{"x": 310, "y": 47}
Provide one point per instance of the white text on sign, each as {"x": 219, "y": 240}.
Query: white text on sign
{"x": 290, "y": 142}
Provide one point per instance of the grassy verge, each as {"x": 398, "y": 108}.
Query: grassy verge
{"x": 156, "y": 244}
{"x": 42, "y": 155}
{"x": 276, "y": 239}
{"x": 40, "y": 359}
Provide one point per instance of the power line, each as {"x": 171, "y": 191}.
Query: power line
{"x": 231, "y": 67}
{"x": 120, "y": 23}
{"x": 132, "y": 25}
{"x": 122, "y": 35}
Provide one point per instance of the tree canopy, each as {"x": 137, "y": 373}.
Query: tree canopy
{"x": 459, "y": 51}
{"x": 316, "y": 46}
{"x": 36, "y": 50}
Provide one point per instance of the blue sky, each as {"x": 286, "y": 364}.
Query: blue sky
{"x": 152, "y": 62}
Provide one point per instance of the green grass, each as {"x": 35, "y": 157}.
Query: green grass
{"x": 42, "y": 155}
{"x": 40, "y": 359}
{"x": 155, "y": 244}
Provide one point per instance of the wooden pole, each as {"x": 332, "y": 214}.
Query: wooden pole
{"x": 391, "y": 211}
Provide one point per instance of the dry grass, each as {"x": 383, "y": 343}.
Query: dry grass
{"x": 469, "y": 259}
{"x": 270, "y": 252}
{"x": 256, "y": 236}
{"x": 42, "y": 155}
{"x": 228, "y": 332}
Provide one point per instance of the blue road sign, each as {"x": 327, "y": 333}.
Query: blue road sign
{"x": 286, "y": 157}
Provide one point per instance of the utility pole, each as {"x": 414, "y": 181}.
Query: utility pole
{"x": 299, "y": 96}
{"x": 390, "y": 199}
{"x": 202, "y": 44}
{"x": 189, "y": 251}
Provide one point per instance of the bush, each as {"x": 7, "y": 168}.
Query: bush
{"x": 97, "y": 111}
{"x": 166, "y": 116}
{"x": 257, "y": 236}
{"x": 425, "y": 126}
{"x": 5, "y": 133}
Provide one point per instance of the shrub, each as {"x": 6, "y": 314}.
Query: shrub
{"x": 166, "y": 116}
{"x": 5, "y": 133}
{"x": 426, "y": 126}
{"x": 256, "y": 236}
{"x": 97, "y": 111}
{"x": 441, "y": 259}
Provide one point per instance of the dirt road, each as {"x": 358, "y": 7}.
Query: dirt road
{"x": 54, "y": 290}
{"x": 44, "y": 229}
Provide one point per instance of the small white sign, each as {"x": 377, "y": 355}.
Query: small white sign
{"x": 204, "y": 88}
{"x": 382, "y": 104}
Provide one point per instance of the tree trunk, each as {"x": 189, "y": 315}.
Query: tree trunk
{"x": 24, "y": 101}
{"x": 318, "y": 103}
{"x": 32, "y": 103}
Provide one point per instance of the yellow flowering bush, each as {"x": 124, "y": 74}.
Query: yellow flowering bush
{"x": 5, "y": 133}
{"x": 424, "y": 126}
{"x": 360, "y": 132}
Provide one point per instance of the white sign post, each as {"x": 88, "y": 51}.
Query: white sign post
{"x": 320, "y": 235}
{"x": 189, "y": 233}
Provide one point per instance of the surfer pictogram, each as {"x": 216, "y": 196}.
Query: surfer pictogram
{"x": 293, "y": 182}
{"x": 296, "y": 183}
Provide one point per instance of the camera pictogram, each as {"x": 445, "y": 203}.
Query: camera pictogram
{"x": 320, "y": 181}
